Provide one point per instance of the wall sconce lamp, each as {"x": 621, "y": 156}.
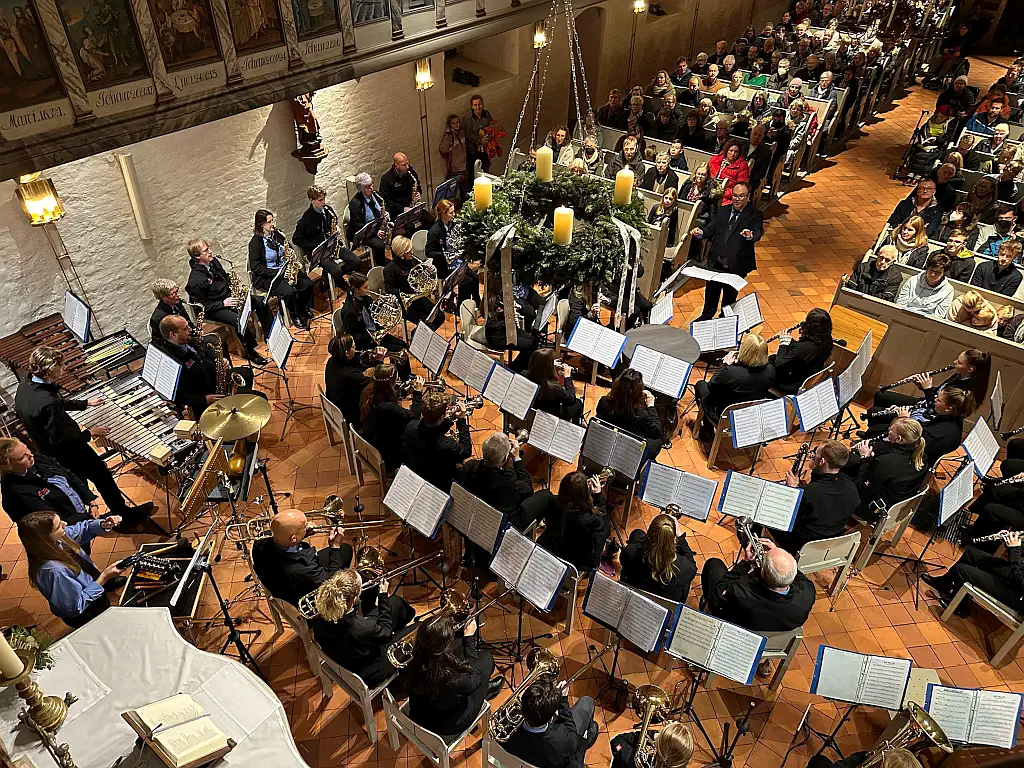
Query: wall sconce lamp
{"x": 639, "y": 6}
{"x": 424, "y": 79}
{"x": 40, "y": 200}
{"x": 540, "y": 34}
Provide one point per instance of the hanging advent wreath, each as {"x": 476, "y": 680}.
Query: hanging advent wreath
{"x": 596, "y": 254}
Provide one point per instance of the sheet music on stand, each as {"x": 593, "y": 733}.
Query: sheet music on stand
{"x": 595, "y": 341}
{"x": 957, "y": 492}
{"x": 407, "y": 217}
{"x": 470, "y": 365}
{"x": 670, "y": 281}
{"x": 510, "y": 391}
{"x": 328, "y": 246}
{"x": 996, "y": 401}
{"x": 475, "y": 519}
{"x": 76, "y": 316}
{"x": 716, "y": 645}
{"x": 981, "y": 447}
{"x": 850, "y": 383}
{"x": 859, "y": 678}
{"x": 416, "y": 501}
{"x": 608, "y": 446}
{"x": 662, "y": 485}
{"x": 719, "y": 333}
{"x": 625, "y": 611}
{"x": 280, "y": 342}
{"x": 369, "y": 229}
{"x": 772, "y": 504}
{"x": 556, "y": 437}
{"x": 863, "y": 358}
{"x": 758, "y": 424}
{"x": 534, "y": 572}
{"x": 547, "y": 309}
{"x": 661, "y": 372}
{"x": 709, "y": 275}
{"x": 817, "y": 405}
{"x": 663, "y": 310}
{"x": 244, "y": 312}
{"x": 975, "y": 716}
{"x": 429, "y": 348}
{"x": 446, "y": 190}
{"x": 748, "y": 310}
{"x": 162, "y": 372}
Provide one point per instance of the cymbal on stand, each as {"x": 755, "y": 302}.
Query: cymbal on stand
{"x": 235, "y": 417}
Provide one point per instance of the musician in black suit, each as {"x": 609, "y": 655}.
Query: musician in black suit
{"x": 290, "y": 567}
{"x": 553, "y": 734}
{"x": 746, "y": 375}
{"x": 630, "y": 407}
{"x": 209, "y": 286}
{"x": 437, "y": 238}
{"x": 314, "y": 227}
{"x": 577, "y": 522}
{"x": 773, "y": 598}
{"x": 53, "y": 432}
{"x": 556, "y": 395}
{"x": 267, "y": 250}
{"x": 354, "y": 637}
{"x": 429, "y": 451}
{"x": 659, "y": 560}
{"x": 889, "y": 470}
{"x": 345, "y": 377}
{"x": 383, "y": 415}
{"x": 1002, "y": 579}
{"x": 169, "y": 302}
{"x": 673, "y": 746}
{"x": 357, "y": 321}
{"x": 733, "y": 230}
{"x": 364, "y": 207}
{"x": 942, "y": 419}
{"x": 799, "y": 358}
{"x": 31, "y": 483}
{"x": 401, "y": 189}
{"x": 396, "y": 282}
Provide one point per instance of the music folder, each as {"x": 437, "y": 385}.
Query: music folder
{"x": 709, "y": 275}
{"x": 759, "y": 424}
{"x": 850, "y": 383}
{"x": 471, "y": 365}
{"x": 243, "y": 314}
{"x": 716, "y": 645}
{"x": 628, "y": 613}
{"x": 595, "y": 341}
{"x": 817, "y": 405}
{"x": 608, "y": 446}
{"x": 547, "y": 309}
{"x": 368, "y": 230}
{"x": 975, "y": 716}
{"x": 162, "y": 372}
{"x": 957, "y": 492}
{"x": 416, "y": 501}
{"x": 407, "y": 217}
{"x": 662, "y": 485}
{"x": 981, "y": 447}
{"x": 772, "y": 504}
{"x": 530, "y": 569}
{"x": 76, "y": 316}
{"x": 748, "y": 310}
{"x": 446, "y": 190}
{"x": 475, "y": 519}
{"x": 663, "y": 310}
{"x": 429, "y": 348}
{"x": 859, "y": 678}
{"x": 863, "y": 358}
{"x": 996, "y": 401}
{"x": 661, "y": 372}
{"x": 556, "y": 437}
{"x": 280, "y": 342}
{"x": 510, "y": 391}
{"x": 719, "y": 333}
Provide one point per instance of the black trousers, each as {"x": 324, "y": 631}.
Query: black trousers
{"x": 532, "y": 509}
{"x": 346, "y": 263}
{"x": 420, "y": 309}
{"x": 379, "y": 670}
{"x": 715, "y": 292}
{"x": 641, "y": 311}
{"x": 710, "y": 421}
{"x": 92, "y": 610}
{"x": 992, "y": 574}
{"x": 712, "y": 572}
{"x": 229, "y": 316}
{"x": 1015, "y": 448}
{"x": 298, "y": 298}
{"x": 377, "y": 247}
{"x": 86, "y": 463}
{"x": 525, "y": 342}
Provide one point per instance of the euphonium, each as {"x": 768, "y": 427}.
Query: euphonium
{"x": 919, "y": 732}
{"x": 509, "y": 716}
{"x": 651, "y": 704}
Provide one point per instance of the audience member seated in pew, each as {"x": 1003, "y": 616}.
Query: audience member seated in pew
{"x": 929, "y": 293}
{"x": 611, "y": 113}
{"x": 667, "y": 212}
{"x": 1001, "y": 275}
{"x": 911, "y": 242}
{"x": 1011, "y": 324}
{"x": 661, "y": 177}
{"x": 878, "y": 277}
{"x": 986, "y": 241}
{"x": 628, "y": 157}
{"x": 676, "y": 156}
{"x": 691, "y": 134}
{"x": 961, "y": 258}
{"x": 972, "y": 310}
{"x": 922, "y": 203}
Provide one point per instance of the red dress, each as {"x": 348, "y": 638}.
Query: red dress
{"x": 733, "y": 173}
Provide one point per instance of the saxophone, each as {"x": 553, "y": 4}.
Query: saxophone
{"x": 291, "y": 265}
{"x": 334, "y": 232}
{"x": 225, "y": 379}
{"x": 239, "y": 292}
{"x": 416, "y": 197}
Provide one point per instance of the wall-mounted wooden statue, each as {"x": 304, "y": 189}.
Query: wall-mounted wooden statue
{"x": 310, "y": 151}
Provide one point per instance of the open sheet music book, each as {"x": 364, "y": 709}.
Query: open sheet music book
{"x": 556, "y": 437}
{"x": 850, "y": 382}
{"x": 719, "y": 333}
{"x": 863, "y": 358}
{"x": 662, "y": 485}
{"x": 748, "y": 310}
{"x": 716, "y": 645}
{"x": 857, "y": 678}
{"x": 280, "y": 342}
{"x": 711, "y": 276}
{"x": 817, "y": 405}
{"x": 662, "y": 310}
{"x": 974, "y": 716}
{"x": 757, "y": 424}
{"x": 416, "y": 501}
{"x": 475, "y": 519}
{"x": 243, "y": 314}
{"x": 534, "y": 572}
{"x": 982, "y": 447}
{"x": 429, "y": 348}
{"x": 161, "y": 371}
{"x": 510, "y": 391}
{"x": 996, "y": 401}
{"x": 621, "y": 608}
{"x": 661, "y": 372}
{"x": 179, "y": 731}
{"x": 595, "y": 341}
{"x": 547, "y": 309}
{"x": 76, "y": 316}
{"x": 608, "y": 446}
{"x": 957, "y": 492}
{"x": 772, "y": 504}
{"x": 470, "y": 365}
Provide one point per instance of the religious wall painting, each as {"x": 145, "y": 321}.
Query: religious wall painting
{"x": 104, "y": 41}
{"x": 369, "y": 11}
{"x": 255, "y": 25}
{"x": 314, "y": 18}
{"x": 27, "y": 73}
{"x": 185, "y": 31}
{"x": 412, "y": 6}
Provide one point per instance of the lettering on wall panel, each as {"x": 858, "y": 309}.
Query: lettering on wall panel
{"x": 263, "y": 62}
{"x": 185, "y": 31}
{"x": 104, "y": 41}
{"x": 27, "y": 74}
{"x": 320, "y": 48}
{"x": 255, "y": 25}
{"x": 40, "y": 118}
{"x": 141, "y": 93}
{"x": 198, "y": 79}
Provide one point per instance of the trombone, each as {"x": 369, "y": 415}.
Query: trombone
{"x": 332, "y": 515}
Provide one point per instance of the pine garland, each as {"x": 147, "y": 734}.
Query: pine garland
{"x": 595, "y": 256}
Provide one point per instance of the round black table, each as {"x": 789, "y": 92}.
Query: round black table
{"x": 667, "y": 339}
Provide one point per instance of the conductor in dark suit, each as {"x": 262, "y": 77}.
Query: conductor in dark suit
{"x": 290, "y": 567}
{"x": 364, "y": 207}
{"x": 732, "y": 230}
{"x": 314, "y": 227}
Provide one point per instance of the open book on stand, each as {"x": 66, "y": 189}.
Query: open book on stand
{"x": 178, "y": 730}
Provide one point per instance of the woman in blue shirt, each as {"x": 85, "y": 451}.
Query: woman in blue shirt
{"x": 67, "y": 577}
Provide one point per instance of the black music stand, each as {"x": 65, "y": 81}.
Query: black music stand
{"x": 512, "y": 650}
{"x": 617, "y": 684}
{"x": 723, "y": 756}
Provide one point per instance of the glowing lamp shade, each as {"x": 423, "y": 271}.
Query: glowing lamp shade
{"x": 639, "y": 6}
{"x": 424, "y": 79}
{"x": 41, "y": 202}
{"x": 540, "y": 34}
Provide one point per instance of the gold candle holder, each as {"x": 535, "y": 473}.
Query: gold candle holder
{"x": 48, "y": 712}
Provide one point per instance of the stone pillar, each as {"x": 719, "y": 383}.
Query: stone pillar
{"x": 397, "y": 32}
{"x": 60, "y": 47}
{"x": 151, "y": 50}
{"x": 439, "y": 14}
{"x": 481, "y": 7}
{"x": 219, "y": 9}
{"x": 291, "y": 34}
{"x": 348, "y": 31}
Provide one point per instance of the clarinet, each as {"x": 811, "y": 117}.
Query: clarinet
{"x": 777, "y": 335}
{"x": 1011, "y": 433}
{"x": 1002, "y": 535}
{"x": 991, "y": 482}
{"x": 912, "y": 376}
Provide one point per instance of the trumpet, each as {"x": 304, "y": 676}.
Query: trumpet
{"x": 801, "y": 456}
{"x": 651, "y": 704}
{"x": 1002, "y": 535}
{"x": 674, "y": 510}
{"x": 1011, "y": 433}
{"x": 521, "y": 436}
{"x": 560, "y": 364}
{"x": 331, "y": 513}
{"x": 781, "y": 333}
{"x": 602, "y": 477}
{"x": 368, "y": 357}
{"x": 911, "y": 377}
{"x": 407, "y": 386}
{"x": 743, "y": 528}
{"x": 470, "y": 404}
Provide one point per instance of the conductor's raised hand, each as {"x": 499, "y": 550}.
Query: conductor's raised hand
{"x": 746, "y": 234}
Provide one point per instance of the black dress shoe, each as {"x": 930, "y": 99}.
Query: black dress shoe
{"x": 963, "y": 610}
{"x": 494, "y": 686}
{"x": 936, "y": 583}
{"x": 256, "y": 358}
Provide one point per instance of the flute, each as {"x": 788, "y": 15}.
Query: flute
{"x": 1011, "y": 433}
{"x": 780, "y": 333}
{"x": 911, "y": 377}
{"x": 1004, "y": 535}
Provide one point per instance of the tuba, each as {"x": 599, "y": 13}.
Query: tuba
{"x": 509, "y": 716}
{"x": 651, "y": 704}
{"x": 918, "y": 733}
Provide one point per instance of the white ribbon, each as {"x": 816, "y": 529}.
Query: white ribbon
{"x": 627, "y": 233}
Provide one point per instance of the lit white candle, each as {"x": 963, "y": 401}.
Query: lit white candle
{"x": 545, "y": 162}
{"x": 623, "y": 186}
{"x": 482, "y": 193}
{"x": 562, "y": 232}
{"x": 10, "y": 664}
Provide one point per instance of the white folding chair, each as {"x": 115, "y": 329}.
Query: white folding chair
{"x": 419, "y": 244}
{"x": 474, "y": 334}
{"x": 723, "y": 429}
{"x": 838, "y": 552}
{"x": 437, "y": 749}
{"x": 335, "y": 426}
{"x": 896, "y": 518}
{"x": 281, "y": 608}
{"x": 495, "y": 756}
{"x": 1008, "y": 616}
{"x": 357, "y": 690}
{"x": 365, "y": 454}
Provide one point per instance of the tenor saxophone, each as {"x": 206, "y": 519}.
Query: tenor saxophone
{"x": 291, "y": 266}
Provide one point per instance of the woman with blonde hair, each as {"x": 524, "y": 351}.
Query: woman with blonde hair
{"x": 745, "y": 375}
{"x": 911, "y": 241}
{"x": 659, "y": 560}
{"x": 888, "y": 469}
{"x": 666, "y": 211}
{"x": 673, "y": 747}
{"x": 354, "y": 629}
{"x": 972, "y": 309}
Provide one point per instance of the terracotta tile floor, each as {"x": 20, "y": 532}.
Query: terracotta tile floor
{"x": 812, "y": 238}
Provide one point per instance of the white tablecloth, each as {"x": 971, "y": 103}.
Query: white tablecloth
{"x": 128, "y": 657}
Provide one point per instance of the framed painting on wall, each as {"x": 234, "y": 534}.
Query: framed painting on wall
{"x": 104, "y": 41}
{"x": 255, "y": 25}
{"x": 27, "y": 74}
{"x": 185, "y": 31}
{"x": 369, "y": 11}
{"x": 315, "y": 18}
